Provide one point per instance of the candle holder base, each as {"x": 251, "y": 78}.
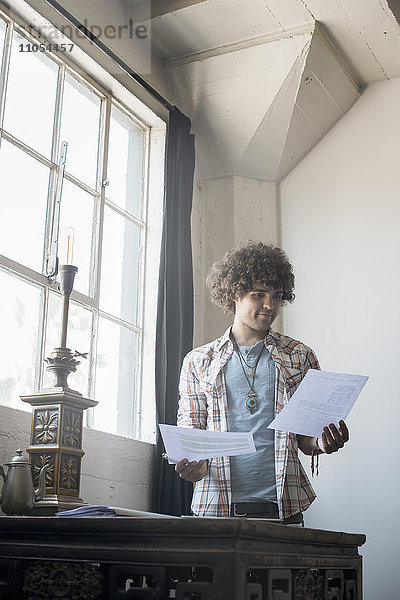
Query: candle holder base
{"x": 56, "y": 441}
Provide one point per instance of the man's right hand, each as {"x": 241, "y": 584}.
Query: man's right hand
{"x": 191, "y": 471}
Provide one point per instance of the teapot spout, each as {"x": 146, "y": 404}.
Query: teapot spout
{"x": 41, "y": 490}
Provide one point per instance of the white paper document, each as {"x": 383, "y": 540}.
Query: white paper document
{"x": 321, "y": 398}
{"x": 195, "y": 444}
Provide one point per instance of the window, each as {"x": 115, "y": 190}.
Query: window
{"x": 74, "y": 157}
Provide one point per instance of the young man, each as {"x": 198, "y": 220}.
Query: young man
{"x": 239, "y": 382}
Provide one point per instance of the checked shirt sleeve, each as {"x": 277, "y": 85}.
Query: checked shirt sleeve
{"x": 311, "y": 361}
{"x": 192, "y": 408}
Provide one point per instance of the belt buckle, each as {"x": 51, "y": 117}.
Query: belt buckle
{"x": 235, "y": 513}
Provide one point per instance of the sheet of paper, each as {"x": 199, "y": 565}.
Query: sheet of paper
{"x": 321, "y": 398}
{"x": 195, "y": 444}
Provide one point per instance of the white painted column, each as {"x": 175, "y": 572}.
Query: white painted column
{"x": 227, "y": 212}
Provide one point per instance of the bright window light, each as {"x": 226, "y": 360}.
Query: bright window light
{"x": 76, "y": 158}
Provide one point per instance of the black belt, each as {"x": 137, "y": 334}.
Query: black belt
{"x": 243, "y": 509}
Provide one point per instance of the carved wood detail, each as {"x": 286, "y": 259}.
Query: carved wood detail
{"x": 309, "y": 585}
{"x": 45, "y": 427}
{"x": 38, "y": 461}
{"x": 72, "y": 428}
{"x": 52, "y": 580}
{"x": 69, "y": 472}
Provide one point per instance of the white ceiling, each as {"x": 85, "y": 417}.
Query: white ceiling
{"x": 232, "y": 68}
{"x": 365, "y": 32}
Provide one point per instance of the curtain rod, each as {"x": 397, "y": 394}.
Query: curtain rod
{"x": 70, "y": 17}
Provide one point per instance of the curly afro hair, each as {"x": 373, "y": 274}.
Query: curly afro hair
{"x": 236, "y": 273}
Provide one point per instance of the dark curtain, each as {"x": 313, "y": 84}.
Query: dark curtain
{"x": 174, "y": 336}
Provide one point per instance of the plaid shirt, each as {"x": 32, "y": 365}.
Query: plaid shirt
{"x": 203, "y": 405}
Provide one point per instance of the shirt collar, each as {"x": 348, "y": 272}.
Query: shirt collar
{"x": 270, "y": 339}
{"x": 225, "y": 339}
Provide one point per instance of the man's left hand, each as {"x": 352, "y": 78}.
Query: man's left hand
{"x": 332, "y": 438}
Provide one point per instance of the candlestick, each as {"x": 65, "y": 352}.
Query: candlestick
{"x": 67, "y": 276}
{"x": 62, "y": 361}
{"x": 57, "y": 421}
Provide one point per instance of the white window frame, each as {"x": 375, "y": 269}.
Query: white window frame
{"x": 109, "y": 88}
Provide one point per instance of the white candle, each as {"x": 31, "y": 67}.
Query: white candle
{"x": 69, "y": 246}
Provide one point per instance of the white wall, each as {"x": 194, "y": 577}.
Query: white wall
{"x": 340, "y": 226}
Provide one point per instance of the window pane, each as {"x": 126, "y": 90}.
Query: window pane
{"x": 120, "y": 267}
{"x": 78, "y": 338}
{"x": 115, "y": 378}
{"x": 80, "y": 126}
{"x": 125, "y": 163}
{"x": 24, "y": 183}
{"x": 77, "y": 212}
{"x": 19, "y": 319}
{"x": 30, "y": 97}
{"x": 2, "y": 35}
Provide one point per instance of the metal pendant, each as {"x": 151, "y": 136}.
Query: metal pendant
{"x": 251, "y": 373}
{"x": 252, "y": 402}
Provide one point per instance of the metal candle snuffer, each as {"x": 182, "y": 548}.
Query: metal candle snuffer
{"x": 55, "y": 448}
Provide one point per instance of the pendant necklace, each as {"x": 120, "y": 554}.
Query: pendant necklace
{"x": 252, "y": 402}
{"x": 252, "y": 370}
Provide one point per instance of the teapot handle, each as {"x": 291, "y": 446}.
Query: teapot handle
{"x": 4, "y": 476}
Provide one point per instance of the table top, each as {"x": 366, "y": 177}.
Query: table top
{"x": 128, "y": 527}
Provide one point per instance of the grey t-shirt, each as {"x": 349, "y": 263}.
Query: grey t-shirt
{"x": 252, "y": 475}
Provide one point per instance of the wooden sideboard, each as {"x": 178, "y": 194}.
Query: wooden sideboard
{"x": 188, "y": 558}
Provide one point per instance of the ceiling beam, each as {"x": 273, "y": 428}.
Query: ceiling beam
{"x": 258, "y": 40}
{"x": 158, "y": 8}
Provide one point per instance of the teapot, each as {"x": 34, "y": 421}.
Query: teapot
{"x": 18, "y": 496}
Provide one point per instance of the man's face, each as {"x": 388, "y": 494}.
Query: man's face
{"x": 259, "y": 308}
